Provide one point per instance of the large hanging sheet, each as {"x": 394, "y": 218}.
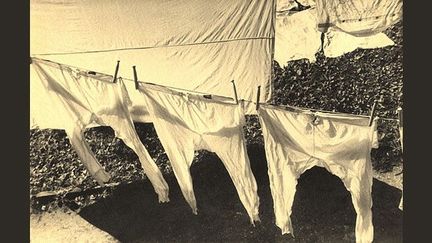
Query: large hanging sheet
{"x": 198, "y": 45}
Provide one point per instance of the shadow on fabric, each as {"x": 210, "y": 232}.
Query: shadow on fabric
{"x": 322, "y": 210}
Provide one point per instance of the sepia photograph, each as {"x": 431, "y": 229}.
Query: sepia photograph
{"x": 216, "y": 121}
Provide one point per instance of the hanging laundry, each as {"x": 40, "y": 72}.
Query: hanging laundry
{"x": 138, "y": 109}
{"x": 296, "y": 36}
{"x": 197, "y": 45}
{"x": 358, "y": 17}
{"x": 77, "y": 99}
{"x": 295, "y": 141}
{"x": 337, "y": 43}
{"x": 188, "y": 122}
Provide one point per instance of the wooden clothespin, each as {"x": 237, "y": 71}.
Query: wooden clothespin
{"x": 116, "y": 72}
{"x": 258, "y": 97}
{"x": 372, "y": 116}
{"x": 235, "y": 92}
{"x": 135, "y": 77}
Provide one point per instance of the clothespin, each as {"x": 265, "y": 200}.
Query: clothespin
{"x": 116, "y": 72}
{"x": 235, "y": 92}
{"x": 258, "y": 97}
{"x": 372, "y": 116}
{"x": 135, "y": 77}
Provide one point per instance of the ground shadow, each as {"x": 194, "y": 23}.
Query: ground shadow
{"x": 322, "y": 210}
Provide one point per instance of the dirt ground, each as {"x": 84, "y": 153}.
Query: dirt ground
{"x": 64, "y": 225}
{"x": 322, "y": 211}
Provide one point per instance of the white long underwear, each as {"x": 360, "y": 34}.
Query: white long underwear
{"x": 188, "y": 122}
{"x": 295, "y": 141}
{"x": 78, "y": 100}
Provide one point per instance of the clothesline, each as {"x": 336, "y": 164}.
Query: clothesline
{"x": 253, "y": 102}
{"x": 153, "y": 47}
{"x": 225, "y": 97}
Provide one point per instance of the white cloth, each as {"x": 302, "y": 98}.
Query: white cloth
{"x": 401, "y": 141}
{"x": 75, "y": 99}
{"x": 296, "y": 141}
{"x": 337, "y": 43}
{"x": 401, "y": 203}
{"x": 358, "y": 17}
{"x": 297, "y": 37}
{"x": 197, "y": 45}
{"x": 188, "y": 122}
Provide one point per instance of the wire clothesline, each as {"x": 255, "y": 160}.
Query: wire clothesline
{"x": 220, "y": 96}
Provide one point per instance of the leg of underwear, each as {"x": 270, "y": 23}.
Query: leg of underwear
{"x": 283, "y": 176}
{"x": 401, "y": 141}
{"x": 401, "y": 203}
{"x": 282, "y": 171}
{"x": 178, "y": 146}
{"x": 360, "y": 190}
{"x": 124, "y": 129}
{"x": 283, "y": 183}
{"x": 232, "y": 151}
{"x": 77, "y": 140}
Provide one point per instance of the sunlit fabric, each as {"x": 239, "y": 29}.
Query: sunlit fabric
{"x": 358, "y": 17}
{"x": 71, "y": 100}
{"x": 198, "y": 45}
{"x": 296, "y": 141}
{"x": 186, "y": 123}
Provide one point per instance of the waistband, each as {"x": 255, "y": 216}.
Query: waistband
{"x": 77, "y": 71}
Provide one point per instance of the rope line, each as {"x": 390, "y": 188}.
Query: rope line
{"x": 152, "y": 47}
